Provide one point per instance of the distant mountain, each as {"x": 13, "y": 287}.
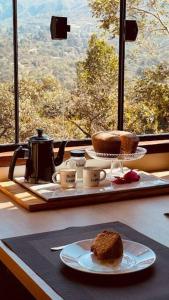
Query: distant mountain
{"x": 53, "y": 6}
{"x": 38, "y": 54}
{"x": 41, "y": 7}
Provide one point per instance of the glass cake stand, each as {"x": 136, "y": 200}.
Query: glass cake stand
{"x": 117, "y": 160}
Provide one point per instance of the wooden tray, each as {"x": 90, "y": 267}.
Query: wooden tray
{"x": 48, "y": 196}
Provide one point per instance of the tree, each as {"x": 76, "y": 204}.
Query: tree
{"x": 144, "y": 111}
{"x": 153, "y": 23}
{"x": 93, "y": 102}
{"x": 147, "y": 106}
{"x": 6, "y": 113}
{"x": 40, "y": 103}
{"x": 29, "y": 118}
{"x": 147, "y": 12}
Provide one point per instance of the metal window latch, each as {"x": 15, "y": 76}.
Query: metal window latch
{"x": 131, "y": 30}
{"x": 59, "y": 28}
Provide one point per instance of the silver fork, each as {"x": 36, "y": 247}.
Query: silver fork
{"x": 57, "y": 248}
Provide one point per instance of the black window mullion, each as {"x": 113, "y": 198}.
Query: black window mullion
{"x": 121, "y": 65}
{"x": 15, "y": 55}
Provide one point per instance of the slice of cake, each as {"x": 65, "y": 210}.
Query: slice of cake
{"x": 107, "y": 245}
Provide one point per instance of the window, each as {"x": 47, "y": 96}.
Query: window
{"x": 147, "y": 69}
{"x": 7, "y": 105}
{"x": 71, "y": 87}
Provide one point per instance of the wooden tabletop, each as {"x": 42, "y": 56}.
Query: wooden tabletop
{"x": 145, "y": 215}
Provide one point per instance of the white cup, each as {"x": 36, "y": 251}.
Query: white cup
{"x": 92, "y": 176}
{"x": 67, "y": 178}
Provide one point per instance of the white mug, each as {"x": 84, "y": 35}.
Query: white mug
{"x": 91, "y": 176}
{"x": 67, "y": 178}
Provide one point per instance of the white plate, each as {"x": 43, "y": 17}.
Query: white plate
{"x": 136, "y": 257}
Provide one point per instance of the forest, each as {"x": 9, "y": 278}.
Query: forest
{"x": 70, "y": 89}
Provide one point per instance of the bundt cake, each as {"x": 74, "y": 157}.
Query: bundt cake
{"x": 115, "y": 142}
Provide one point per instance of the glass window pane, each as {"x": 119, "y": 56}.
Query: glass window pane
{"x": 147, "y": 69}
{"x": 7, "y": 134}
{"x": 68, "y": 87}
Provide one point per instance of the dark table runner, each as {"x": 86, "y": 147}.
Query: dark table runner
{"x": 151, "y": 284}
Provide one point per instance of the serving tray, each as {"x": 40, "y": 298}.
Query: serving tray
{"x": 36, "y": 197}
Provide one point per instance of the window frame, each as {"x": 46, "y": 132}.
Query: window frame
{"x": 82, "y": 142}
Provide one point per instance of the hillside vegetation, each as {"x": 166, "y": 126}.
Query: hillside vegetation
{"x": 69, "y": 87}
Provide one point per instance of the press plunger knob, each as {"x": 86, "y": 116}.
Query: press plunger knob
{"x": 40, "y": 132}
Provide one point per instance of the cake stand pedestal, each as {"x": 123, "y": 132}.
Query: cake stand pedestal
{"x": 117, "y": 160}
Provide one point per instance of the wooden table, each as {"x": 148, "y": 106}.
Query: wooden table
{"x": 144, "y": 215}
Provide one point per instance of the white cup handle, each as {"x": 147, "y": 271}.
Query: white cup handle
{"x": 54, "y": 177}
{"x": 104, "y": 175}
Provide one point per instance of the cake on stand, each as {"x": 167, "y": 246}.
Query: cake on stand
{"x": 116, "y": 160}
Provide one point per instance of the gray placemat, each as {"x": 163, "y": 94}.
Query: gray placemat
{"x": 34, "y": 250}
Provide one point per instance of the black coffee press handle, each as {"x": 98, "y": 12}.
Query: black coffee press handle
{"x": 18, "y": 153}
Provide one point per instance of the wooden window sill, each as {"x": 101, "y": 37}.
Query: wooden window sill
{"x": 159, "y": 146}
{"x": 5, "y": 157}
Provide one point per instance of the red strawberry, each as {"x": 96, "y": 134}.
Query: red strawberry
{"x": 131, "y": 176}
{"x": 119, "y": 180}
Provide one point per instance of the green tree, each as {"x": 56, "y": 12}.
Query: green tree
{"x": 147, "y": 12}
{"x": 6, "y": 113}
{"x": 147, "y": 105}
{"x": 41, "y": 105}
{"x": 151, "y": 46}
{"x": 93, "y": 102}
